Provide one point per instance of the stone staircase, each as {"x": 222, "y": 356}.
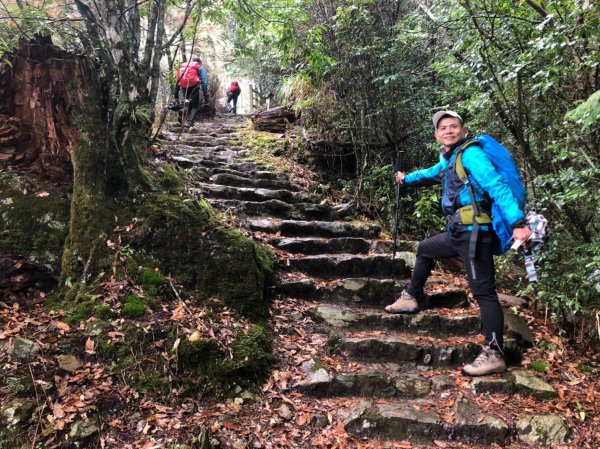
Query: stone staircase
{"x": 402, "y": 369}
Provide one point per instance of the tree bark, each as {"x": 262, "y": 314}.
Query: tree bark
{"x": 274, "y": 120}
{"x": 37, "y": 93}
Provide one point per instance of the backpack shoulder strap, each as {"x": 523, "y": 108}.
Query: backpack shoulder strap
{"x": 458, "y": 165}
{"x": 462, "y": 174}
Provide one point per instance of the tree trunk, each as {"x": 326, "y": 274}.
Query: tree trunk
{"x": 36, "y": 90}
{"x": 274, "y": 120}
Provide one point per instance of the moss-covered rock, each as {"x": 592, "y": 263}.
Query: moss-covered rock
{"x": 80, "y": 311}
{"x": 205, "y": 368}
{"x": 184, "y": 238}
{"x": 34, "y": 219}
{"x": 168, "y": 178}
{"x": 14, "y": 418}
{"x": 251, "y": 354}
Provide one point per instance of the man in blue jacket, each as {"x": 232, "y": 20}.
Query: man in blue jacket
{"x": 450, "y": 132}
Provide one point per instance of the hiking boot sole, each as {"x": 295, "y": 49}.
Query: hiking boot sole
{"x": 415, "y": 310}
{"x": 485, "y": 373}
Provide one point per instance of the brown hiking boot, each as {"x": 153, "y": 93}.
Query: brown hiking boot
{"x": 488, "y": 361}
{"x": 405, "y": 303}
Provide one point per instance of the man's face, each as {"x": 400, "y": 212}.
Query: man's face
{"x": 450, "y": 131}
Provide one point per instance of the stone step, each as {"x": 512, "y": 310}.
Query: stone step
{"x": 423, "y": 421}
{"x": 294, "y": 228}
{"x": 321, "y": 381}
{"x": 243, "y": 166}
{"x": 311, "y": 245}
{"x": 214, "y": 131}
{"x": 217, "y": 169}
{"x": 422, "y": 323}
{"x": 387, "y": 380}
{"x": 331, "y": 266}
{"x": 366, "y": 292}
{"x": 409, "y": 350}
{"x": 275, "y": 208}
{"x": 248, "y": 193}
{"x": 242, "y": 181}
{"x": 218, "y": 153}
{"x": 231, "y": 140}
{"x": 200, "y": 137}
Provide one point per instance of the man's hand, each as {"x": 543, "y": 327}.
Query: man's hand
{"x": 520, "y": 235}
{"x": 400, "y": 177}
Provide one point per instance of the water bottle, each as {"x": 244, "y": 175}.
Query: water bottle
{"x": 530, "y": 269}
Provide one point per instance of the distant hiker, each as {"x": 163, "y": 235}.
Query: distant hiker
{"x": 232, "y": 96}
{"x": 191, "y": 77}
{"x": 474, "y": 241}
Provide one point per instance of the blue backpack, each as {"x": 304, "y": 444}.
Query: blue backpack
{"x": 505, "y": 165}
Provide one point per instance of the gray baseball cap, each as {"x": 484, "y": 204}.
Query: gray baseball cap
{"x": 440, "y": 114}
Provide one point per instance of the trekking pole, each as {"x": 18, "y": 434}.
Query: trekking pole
{"x": 397, "y": 168}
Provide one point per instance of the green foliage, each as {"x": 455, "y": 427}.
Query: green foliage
{"x": 103, "y": 312}
{"x": 378, "y": 190}
{"x": 427, "y": 211}
{"x": 568, "y": 279}
{"x": 587, "y": 113}
{"x": 17, "y": 386}
{"x": 539, "y": 366}
{"x": 80, "y": 312}
{"x": 152, "y": 278}
{"x": 133, "y": 306}
{"x": 588, "y": 369}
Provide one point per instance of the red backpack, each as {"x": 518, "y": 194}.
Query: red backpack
{"x": 235, "y": 88}
{"x": 187, "y": 75}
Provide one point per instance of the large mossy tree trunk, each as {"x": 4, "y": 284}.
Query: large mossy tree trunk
{"x": 95, "y": 139}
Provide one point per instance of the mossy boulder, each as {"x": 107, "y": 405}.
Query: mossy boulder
{"x": 186, "y": 240}
{"x": 34, "y": 219}
{"x": 15, "y": 415}
{"x": 205, "y": 368}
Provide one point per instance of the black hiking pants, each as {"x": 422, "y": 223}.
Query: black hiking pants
{"x": 231, "y": 97}
{"x": 193, "y": 95}
{"x": 480, "y": 274}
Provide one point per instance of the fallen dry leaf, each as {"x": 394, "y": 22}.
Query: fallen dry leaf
{"x": 60, "y": 325}
{"x": 89, "y": 346}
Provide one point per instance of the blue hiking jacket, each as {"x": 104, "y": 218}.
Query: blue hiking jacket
{"x": 488, "y": 185}
{"x": 203, "y": 75}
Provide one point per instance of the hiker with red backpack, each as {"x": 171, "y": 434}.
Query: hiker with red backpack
{"x": 191, "y": 77}
{"x": 232, "y": 96}
{"x": 483, "y": 200}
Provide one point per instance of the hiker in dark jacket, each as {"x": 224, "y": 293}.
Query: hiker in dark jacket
{"x": 451, "y": 132}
